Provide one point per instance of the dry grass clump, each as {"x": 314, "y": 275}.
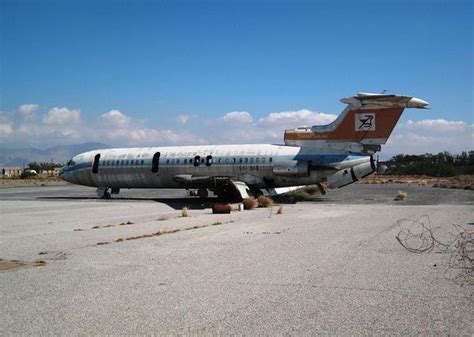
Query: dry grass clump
{"x": 39, "y": 263}
{"x": 280, "y": 210}
{"x": 264, "y": 201}
{"x": 250, "y": 203}
{"x": 400, "y": 196}
{"x": 184, "y": 212}
{"x": 312, "y": 190}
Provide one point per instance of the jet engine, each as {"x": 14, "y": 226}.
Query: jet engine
{"x": 348, "y": 176}
{"x": 291, "y": 168}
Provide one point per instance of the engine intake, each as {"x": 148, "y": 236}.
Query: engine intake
{"x": 291, "y": 168}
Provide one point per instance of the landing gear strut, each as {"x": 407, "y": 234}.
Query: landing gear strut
{"x": 103, "y": 192}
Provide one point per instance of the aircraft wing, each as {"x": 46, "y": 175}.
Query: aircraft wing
{"x": 213, "y": 182}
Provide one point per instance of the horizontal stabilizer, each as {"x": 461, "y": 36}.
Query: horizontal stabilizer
{"x": 281, "y": 190}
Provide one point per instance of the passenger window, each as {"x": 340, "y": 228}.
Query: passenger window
{"x": 197, "y": 160}
{"x": 257, "y": 160}
{"x": 227, "y": 160}
{"x": 142, "y": 162}
{"x": 263, "y": 160}
{"x": 167, "y": 161}
{"x": 270, "y": 160}
{"x": 240, "y": 160}
{"x": 251, "y": 160}
{"x": 177, "y": 161}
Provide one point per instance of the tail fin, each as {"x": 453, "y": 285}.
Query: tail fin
{"x": 366, "y": 122}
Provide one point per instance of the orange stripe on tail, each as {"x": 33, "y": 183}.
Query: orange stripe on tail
{"x": 356, "y": 126}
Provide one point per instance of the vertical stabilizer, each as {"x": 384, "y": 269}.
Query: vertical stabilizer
{"x": 364, "y": 125}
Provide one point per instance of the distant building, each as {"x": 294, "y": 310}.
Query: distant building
{"x": 10, "y": 172}
{"x": 50, "y": 173}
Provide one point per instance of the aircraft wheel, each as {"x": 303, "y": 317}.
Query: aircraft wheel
{"x": 203, "y": 193}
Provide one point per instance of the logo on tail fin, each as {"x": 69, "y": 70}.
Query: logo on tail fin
{"x": 365, "y": 121}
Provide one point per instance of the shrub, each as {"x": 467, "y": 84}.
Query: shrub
{"x": 250, "y": 203}
{"x": 184, "y": 212}
{"x": 28, "y": 174}
{"x": 264, "y": 201}
{"x": 400, "y": 196}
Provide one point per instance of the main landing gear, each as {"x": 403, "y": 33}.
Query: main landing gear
{"x": 103, "y": 192}
{"x": 202, "y": 193}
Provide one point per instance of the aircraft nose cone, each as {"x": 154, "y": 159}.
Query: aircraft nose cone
{"x": 63, "y": 175}
{"x": 417, "y": 103}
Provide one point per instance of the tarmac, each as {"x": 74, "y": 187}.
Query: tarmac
{"x": 134, "y": 265}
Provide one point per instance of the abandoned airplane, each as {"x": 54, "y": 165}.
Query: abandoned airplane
{"x": 336, "y": 154}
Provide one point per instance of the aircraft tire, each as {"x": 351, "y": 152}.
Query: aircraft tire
{"x": 203, "y": 193}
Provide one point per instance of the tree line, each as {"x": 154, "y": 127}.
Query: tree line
{"x": 443, "y": 164}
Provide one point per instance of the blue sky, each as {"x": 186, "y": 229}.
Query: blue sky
{"x": 173, "y": 70}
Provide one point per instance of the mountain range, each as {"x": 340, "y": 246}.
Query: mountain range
{"x": 58, "y": 154}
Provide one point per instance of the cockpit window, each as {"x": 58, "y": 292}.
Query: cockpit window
{"x": 71, "y": 162}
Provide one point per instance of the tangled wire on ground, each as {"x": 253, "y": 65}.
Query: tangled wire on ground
{"x": 418, "y": 236}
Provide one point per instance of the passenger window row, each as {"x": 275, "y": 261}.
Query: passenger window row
{"x": 122, "y": 162}
{"x": 196, "y": 161}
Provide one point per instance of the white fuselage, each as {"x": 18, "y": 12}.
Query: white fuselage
{"x": 157, "y": 167}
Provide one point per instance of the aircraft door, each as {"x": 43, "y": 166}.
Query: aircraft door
{"x": 95, "y": 164}
{"x": 155, "y": 162}
{"x": 208, "y": 160}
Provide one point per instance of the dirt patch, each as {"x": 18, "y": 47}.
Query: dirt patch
{"x": 165, "y": 231}
{"x": 30, "y": 181}
{"x": 465, "y": 182}
{"x": 11, "y": 265}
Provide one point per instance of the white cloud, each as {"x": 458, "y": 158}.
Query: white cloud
{"x": 63, "y": 125}
{"x": 442, "y": 125}
{"x": 291, "y": 119}
{"x": 115, "y": 118}
{"x": 5, "y": 129}
{"x": 28, "y": 111}
{"x": 183, "y": 119}
{"x": 60, "y": 116}
{"x": 431, "y": 135}
{"x": 238, "y": 117}
{"x": 129, "y": 131}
